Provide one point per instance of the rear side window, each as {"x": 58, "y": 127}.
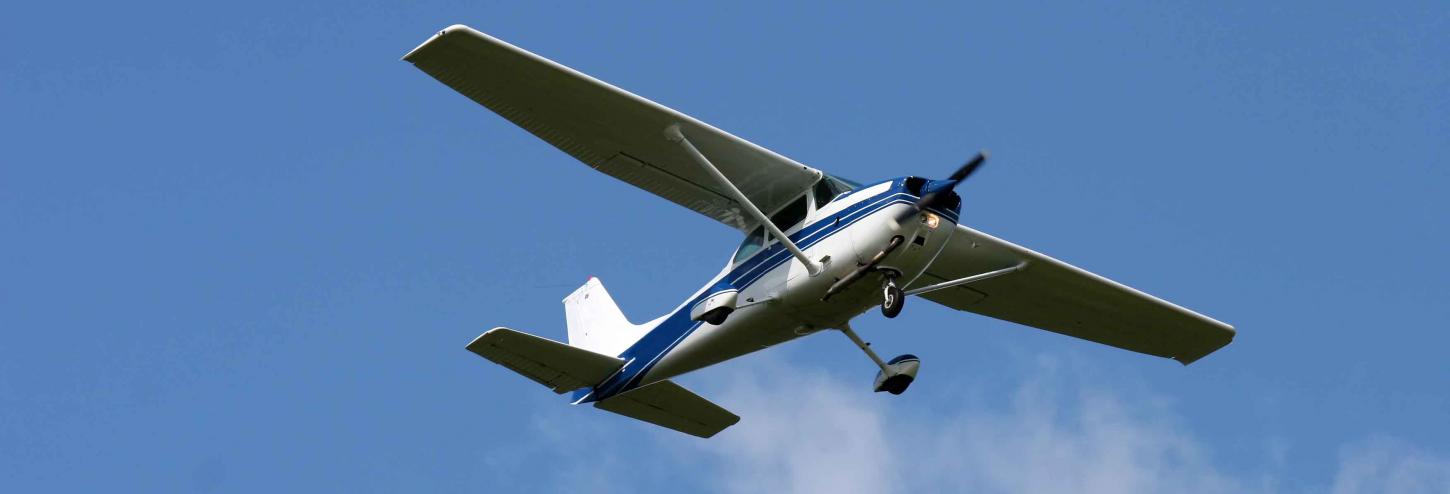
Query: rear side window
{"x": 751, "y": 245}
{"x": 791, "y": 215}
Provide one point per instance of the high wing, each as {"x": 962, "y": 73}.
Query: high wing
{"x": 610, "y": 129}
{"x": 1052, "y": 295}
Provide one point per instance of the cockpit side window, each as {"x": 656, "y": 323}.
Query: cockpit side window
{"x": 751, "y": 245}
{"x": 792, "y": 214}
{"x": 825, "y": 191}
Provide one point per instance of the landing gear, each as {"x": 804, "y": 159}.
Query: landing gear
{"x": 892, "y": 298}
{"x": 895, "y": 375}
{"x": 904, "y": 369}
{"x": 863, "y": 269}
{"x": 717, "y": 315}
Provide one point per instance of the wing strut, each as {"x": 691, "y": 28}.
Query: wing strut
{"x": 673, "y": 134}
{"x": 970, "y": 279}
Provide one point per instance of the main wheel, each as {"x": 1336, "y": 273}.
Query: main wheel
{"x": 896, "y": 384}
{"x": 892, "y": 299}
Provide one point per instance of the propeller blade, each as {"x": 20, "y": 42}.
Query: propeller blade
{"x": 971, "y": 166}
{"x": 956, "y": 178}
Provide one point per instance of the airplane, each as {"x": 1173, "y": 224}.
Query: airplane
{"x": 818, "y": 251}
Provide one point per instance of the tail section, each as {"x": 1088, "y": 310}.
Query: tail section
{"x": 596, "y": 323}
{"x": 563, "y": 368}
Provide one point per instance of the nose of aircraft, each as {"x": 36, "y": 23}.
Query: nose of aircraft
{"x": 936, "y": 186}
{"x": 949, "y": 199}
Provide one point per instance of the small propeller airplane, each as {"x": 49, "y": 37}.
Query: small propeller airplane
{"x": 819, "y": 250}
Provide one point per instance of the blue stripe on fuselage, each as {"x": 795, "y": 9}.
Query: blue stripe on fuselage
{"x": 666, "y": 335}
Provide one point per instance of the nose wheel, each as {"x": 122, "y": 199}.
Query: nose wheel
{"x": 892, "y": 298}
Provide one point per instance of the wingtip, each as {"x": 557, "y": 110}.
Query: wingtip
{"x": 473, "y": 345}
{"x": 408, "y": 57}
{"x": 733, "y": 421}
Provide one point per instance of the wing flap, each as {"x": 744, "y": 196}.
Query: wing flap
{"x": 670, "y": 405}
{"x": 608, "y": 128}
{"x": 1052, "y": 295}
{"x": 561, "y": 367}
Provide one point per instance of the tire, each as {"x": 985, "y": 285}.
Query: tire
{"x": 717, "y": 315}
{"x": 892, "y": 301}
{"x": 897, "y": 384}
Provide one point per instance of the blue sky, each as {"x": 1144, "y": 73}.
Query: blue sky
{"x": 245, "y": 245}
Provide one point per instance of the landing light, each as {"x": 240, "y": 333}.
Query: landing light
{"x": 931, "y": 220}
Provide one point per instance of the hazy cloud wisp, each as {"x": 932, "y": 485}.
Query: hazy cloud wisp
{"x": 803, "y": 430}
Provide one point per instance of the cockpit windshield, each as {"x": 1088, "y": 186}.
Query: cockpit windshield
{"x": 830, "y": 187}
{"x": 751, "y": 245}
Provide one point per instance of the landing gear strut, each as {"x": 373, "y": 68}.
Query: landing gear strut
{"x": 895, "y": 375}
{"x": 892, "y": 299}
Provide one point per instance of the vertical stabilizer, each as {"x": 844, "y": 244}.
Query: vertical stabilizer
{"x": 596, "y": 323}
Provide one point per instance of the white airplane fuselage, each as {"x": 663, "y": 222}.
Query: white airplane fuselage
{"x": 778, "y": 300}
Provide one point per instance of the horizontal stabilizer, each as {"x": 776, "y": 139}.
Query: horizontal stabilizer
{"x": 667, "y": 404}
{"x": 561, "y": 367}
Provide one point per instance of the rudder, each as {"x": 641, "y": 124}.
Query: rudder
{"x": 595, "y": 322}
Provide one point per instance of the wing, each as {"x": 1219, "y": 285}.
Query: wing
{"x": 608, "y": 128}
{"x": 1052, "y": 295}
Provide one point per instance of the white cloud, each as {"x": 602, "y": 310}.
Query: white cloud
{"x": 1388, "y": 465}
{"x": 806, "y": 433}
{"x": 803, "y": 430}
